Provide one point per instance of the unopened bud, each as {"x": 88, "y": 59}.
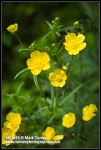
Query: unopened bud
{"x": 76, "y": 23}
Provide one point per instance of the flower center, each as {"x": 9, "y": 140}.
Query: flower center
{"x": 74, "y": 45}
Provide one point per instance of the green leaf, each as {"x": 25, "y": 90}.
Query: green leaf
{"x": 23, "y": 50}
{"x": 50, "y": 26}
{"x": 54, "y": 104}
{"x": 36, "y": 82}
{"x": 46, "y": 35}
{"x": 60, "y": 26}
{"x": 51, "y": 118}
{"x": 18, "y": 90}
{"x": 26, "y": 69}
{"x": 49, "y": 101}
{"x": 58, "y": 34}
{"x": 72, "y": 93}
{"x": 41, "y": 109}
{"x": 10, "y": 95}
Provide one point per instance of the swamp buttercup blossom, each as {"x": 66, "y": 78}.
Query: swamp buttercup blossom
{"x": 74, "y": 44}
{"x": 7, "y": 132}
{"x": 39, "y": 61}
{"x": 69, "y": 120}
{"x": 89, "y": 112}
{"x": 57, "y": 78}
{"x": 12, "y": 28}
{"x": 13, "y": 121}
{"x": 49, "y": 134}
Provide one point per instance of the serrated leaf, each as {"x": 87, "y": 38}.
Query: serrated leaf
{"x": 26, "y": 69}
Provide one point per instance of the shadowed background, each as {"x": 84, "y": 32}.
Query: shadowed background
{"x": 31, "y": 17}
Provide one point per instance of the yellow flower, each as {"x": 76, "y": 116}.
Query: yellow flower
{"x": 57, "y": 78}
{"x": 38, "y": 61}
{"x": 58, "y": 137}
{"x": 12, "y": 28}
{"x": 74, "y": 44}
{"x": 69, "y": 120}
{"x": 7, "y": 132}
{"x": 76, "y": 23}
{"x": 13, "y": 121}
{"x": 49, "y": 134}
{"x": 89, "y": 112}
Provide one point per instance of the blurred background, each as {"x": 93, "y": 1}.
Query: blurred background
{"x": 31, "y": 17}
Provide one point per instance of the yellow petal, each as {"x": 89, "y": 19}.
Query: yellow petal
{"x": 73, "y": 52}
{"x": 7, "y": 132}
{"x": 67, "y": 46}
{"x": 31, "y": 65}
{"x": 61, "y": 84}
{"x": 12, "y": 28}
{"x": 69, "y": 37}
{"x": 36, "y": 55}
{"x": 49, "y": 133}
{"x": 69, "y": 120}
{"x": 80, "y": 38}
{"x": 13, "y": 117}
{"x": 81, "y": 46}
{"x": 7, "y": 125}
{"x": 55, "y": 83}
{"x": 51, "y": 76}
{"x": 36, "y": 71}
{"x": 46, "y": 66}
{"x": 16, "y": 26}
{"x": 45, "y": 57}
{"x": 58, "y": 137}
{"x": 64, "y": 77}
{"x": 89, "y": 112}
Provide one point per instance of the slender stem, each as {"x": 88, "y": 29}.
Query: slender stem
{"x": 52, "y": 102}
{"x": 19, "y": 40}
{"x": 22, "y": 108}
{"x": 56, "y": 40}
{"x": 40, "y": 89}
{"x": 81, "y": 67}
{"x": 57, "y": 94}
{"x": 42, "y": 93}
{"x": 70, "y": 65}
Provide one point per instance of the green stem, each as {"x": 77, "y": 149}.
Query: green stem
{"x": 57, "y": 94}
{"x": 22, "y": 108}
{"x": 42, "y": 93}
{"x": 81, "y": 67}
{"x": 70, "y": 65}
{"x": 19, "y": 40}
{"x": 40, "y": 89}
{"x": 52, "y": 102}
{"x": 56, "y": 40}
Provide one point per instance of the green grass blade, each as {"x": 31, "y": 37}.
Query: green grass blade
{"x": 26, "y": 69}
{"x": 18, "y": 90}
{"x": 72, "y": 93}
{"x": 36, "y": 82}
